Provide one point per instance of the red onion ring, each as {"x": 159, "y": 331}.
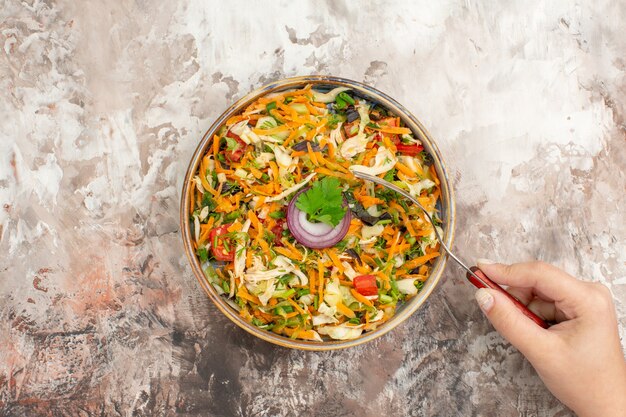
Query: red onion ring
{"x": 315, "y": 235}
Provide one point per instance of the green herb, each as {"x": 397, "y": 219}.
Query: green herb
{"x": 225, "y": 286}
{"x": 283, "y": 310}
{"x": 270, "y": 106}
{"x": 355, "y": 320}
{"x": 425, "y": 157}
{"x": 231, "y": 144}
{"x": 203, "y": 254}
{"x": 288, "y": 100}
{"x": 373, "y": 125}
{"x": 303, "y": 291}
{"x": 230, "y": 217}
{"x": 341, "y": 246}
{"x": 340, "y": 103}
{"x": 346, "y": 97}
{"x": 277, "y": 215}
{"x": 207, "y": 201}
{"x": 418, "y": 284}
{"x": 284, "y": 293}
{"x": 285, "y": 279}
{"x": 385, "y": 299}
{"x": 323, "y": 202}
{"x": 390, "y": 175}
{"x": 334, "y": 119}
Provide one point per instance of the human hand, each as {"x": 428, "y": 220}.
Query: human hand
{"x": 580, "y": 358}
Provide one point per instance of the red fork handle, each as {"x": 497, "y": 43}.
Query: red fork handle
{"x": 490, "y": 284}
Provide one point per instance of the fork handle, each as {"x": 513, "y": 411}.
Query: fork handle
{"x": 490, "y": 284}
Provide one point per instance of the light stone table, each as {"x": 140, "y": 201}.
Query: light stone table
{"x": 103, "y": 102}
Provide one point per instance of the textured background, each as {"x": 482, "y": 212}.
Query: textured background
{"x": 103, "y": 103}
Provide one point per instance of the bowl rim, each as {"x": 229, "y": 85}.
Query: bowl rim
{"x": 447, "y": 199}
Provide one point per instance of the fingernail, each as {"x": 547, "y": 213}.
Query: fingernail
{"x": 484, "y": 299}
{"x": 484, "y": 261}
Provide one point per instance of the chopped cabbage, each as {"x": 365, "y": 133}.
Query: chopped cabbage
{"x": 407, "y": 286}
{"x": 330, "y": 96}
{"x": 342, "y": 332}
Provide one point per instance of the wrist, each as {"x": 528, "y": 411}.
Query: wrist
{"x": 611, "y": 402}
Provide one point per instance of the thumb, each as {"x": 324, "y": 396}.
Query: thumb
{"x": 511, "y": 323}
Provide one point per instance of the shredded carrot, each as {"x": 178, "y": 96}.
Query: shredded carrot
{"x": 433, "y": 174}
{"x": 393, "y": 130}
{"x": 296, "y": 306}
{"x": 320, "y": 270}
{"x": 333, "y": 256}
{"x": 216, "y": 145}
{"x": 256, "y": 173}
{"x": 405, "y": 169}
{"x": 330, "y": 173}
{"x": 312, "y": 286}
{"x": 285, "y": 252}
{"x": 295, "y": 253}
{"x": 264, "y": 246}
{"x": 291, "y": 137}
{"x": 415, "y": 262}
{"x": 248, "y": 259}
{"x": 243, "y": 293}
{"x": 407, "y": 223}
{"x": 341, "y": 307}
{"x": 393, "y": 247}
{"x": 275, "y": 171}
{"x": 192, "y": 200}
{"x": 312, "y": 154}
{"x": 360, "y": 298}
{"x": 389, "y": 145}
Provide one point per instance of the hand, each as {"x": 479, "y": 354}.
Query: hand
{"x": 580, "y": 358}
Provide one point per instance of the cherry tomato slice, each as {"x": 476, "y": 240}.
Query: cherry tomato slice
{"x": 365, "y": 285}
{"x": 235, "y": 154}
{"x": 412, "y": 150}
{"x": 217, "y": 239}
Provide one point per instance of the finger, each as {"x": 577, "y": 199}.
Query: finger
{"x": 525, "y": 295}
{"x": 547, "y": 281}
{"x": 512, "y": 324}
{"x": 544, "y": 309}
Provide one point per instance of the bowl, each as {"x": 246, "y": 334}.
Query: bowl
{"x": 447, "y": 209}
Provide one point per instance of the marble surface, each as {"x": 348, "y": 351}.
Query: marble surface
{"x": 103, "y": 103}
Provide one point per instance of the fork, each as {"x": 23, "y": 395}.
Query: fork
{"x": 473, "y": 274}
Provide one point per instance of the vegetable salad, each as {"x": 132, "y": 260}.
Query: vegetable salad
{"x": 286, "y": 233}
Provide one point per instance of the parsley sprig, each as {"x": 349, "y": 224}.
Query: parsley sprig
{"x": 323, "y": 202}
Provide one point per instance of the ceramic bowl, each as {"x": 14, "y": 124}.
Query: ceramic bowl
{"x": 447, "y": 209}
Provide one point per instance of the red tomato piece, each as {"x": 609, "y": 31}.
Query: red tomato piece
{"x": 235, "y": 154}
{"x": 412, "y": 150}
{"x": 277, "y": 230}
{"x": 221, "y": 246}
{"x": 347, "y": 128}
{"x": 365, "y": 284}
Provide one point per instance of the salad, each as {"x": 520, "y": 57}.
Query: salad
{"x": 290, "y": 237}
